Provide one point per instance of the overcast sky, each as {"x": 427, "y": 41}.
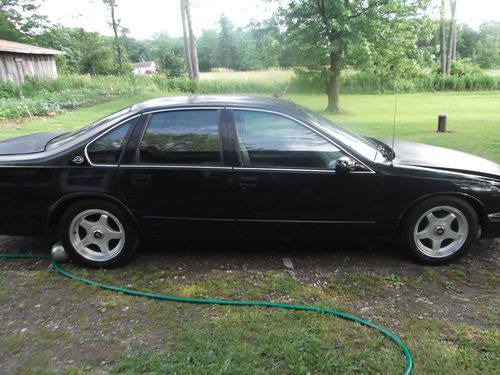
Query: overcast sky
{"x": 147, "y": 17}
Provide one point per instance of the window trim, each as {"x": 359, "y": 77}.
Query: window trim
{"x": 137, "y": 157}
{"x": 284, "y": 169}
{"x": 85, "y": 151}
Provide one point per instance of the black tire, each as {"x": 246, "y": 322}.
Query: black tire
{"x": 408, "y": 241}
{"x": 124, "y": 252}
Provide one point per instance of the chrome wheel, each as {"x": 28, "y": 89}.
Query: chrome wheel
{"x": 97, "y": 235}
{"x": 441, "y": 231}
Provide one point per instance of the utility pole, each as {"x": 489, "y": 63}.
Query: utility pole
{"x": 192, "y": 42}
{"x": 187, "y": 48}
{"x": 189, "y": 41}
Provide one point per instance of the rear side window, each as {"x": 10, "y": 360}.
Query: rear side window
{"x": 182, "y": 137}
{"x": 107, "y": 148}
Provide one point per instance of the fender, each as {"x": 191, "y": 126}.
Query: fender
{"x": 56, "y": 209}
{"x": 476, "y": 204}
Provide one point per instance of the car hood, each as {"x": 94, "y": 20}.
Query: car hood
{"x": 27, "y": 144}
{"x": 422, "y": 155}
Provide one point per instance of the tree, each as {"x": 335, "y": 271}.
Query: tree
{"x": 323, "y": 32}
{"x": 117, "y": 28}
{"x": 207, "y": 48}
{"x": 226, "y": 46}
{"x": 19, "y": 19}
{"x": 452, "y": 37}
{"x": 488, "y": 46}
{"x": 442, "y": 39}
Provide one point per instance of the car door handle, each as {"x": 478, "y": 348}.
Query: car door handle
{"x": 140, "y": 179}
{"x": 248, "y": 181}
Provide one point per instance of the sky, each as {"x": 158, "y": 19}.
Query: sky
{"x": 146, "y": 17}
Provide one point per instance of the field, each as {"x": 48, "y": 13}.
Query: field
{"x": 473, "y": 117}
{"x": 279, "y": 76}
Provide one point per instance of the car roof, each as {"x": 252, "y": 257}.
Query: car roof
{"x": 260, "y": 102}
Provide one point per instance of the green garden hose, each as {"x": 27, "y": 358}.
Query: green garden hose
{"x": 392, "y": 336}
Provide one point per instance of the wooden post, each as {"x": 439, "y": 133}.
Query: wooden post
{"x": 442, "y": 123}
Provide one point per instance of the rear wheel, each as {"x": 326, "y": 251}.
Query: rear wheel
{"x": 439, "y": 230}
{"x": 98, "y": 234}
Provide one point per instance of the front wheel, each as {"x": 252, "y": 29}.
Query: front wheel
{"x": 439, "y": 230}
{"x": 97, "y": 234}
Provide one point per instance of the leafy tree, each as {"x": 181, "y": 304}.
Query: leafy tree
{"x": 169, "y": 54}
{"x": 207, "y": 50}
{"x": 19, "y": 19}
{"x": 467, "y": 39}
{"x": 226, "y": 47}
{"x": 323, "y": 31}
{"x": 97, "y": 55}
{"x": 488, "y": 47}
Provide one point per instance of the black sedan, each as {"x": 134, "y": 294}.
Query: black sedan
{"x": 232, "y": 165}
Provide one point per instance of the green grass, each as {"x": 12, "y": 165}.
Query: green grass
{"x": 229, "y": 340}
{"x": 473, "y": 118}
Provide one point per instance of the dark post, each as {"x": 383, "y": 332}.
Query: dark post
{"x": 442, "y": 123}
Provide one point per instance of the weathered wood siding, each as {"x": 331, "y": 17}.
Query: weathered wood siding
{"x": 17, "y": 66}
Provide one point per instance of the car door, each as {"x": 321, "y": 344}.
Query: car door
{"x": 287, "y": 181}
{"x": 176, "y": 173}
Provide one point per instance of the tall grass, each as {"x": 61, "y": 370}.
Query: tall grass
{"x": 369, "y": 83}
{"x": 35, "y": 97}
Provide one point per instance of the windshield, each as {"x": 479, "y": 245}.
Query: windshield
{"x": 67, "y": 137}
{"x": 365, "y": 146}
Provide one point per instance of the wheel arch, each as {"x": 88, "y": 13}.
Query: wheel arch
{"x": 57, "y": 209}
{"x": 476, "y": 204}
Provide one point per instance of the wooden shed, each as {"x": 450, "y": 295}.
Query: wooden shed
{"x": 18, "y": 60}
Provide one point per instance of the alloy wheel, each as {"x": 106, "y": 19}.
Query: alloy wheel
{"x": 440, "y": 231}
{"x": 97, "y": 235}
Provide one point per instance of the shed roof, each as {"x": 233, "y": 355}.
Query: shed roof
{"x": 9, "y": 46}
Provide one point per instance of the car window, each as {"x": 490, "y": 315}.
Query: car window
{"x": 107, "y": 148}
{"x": 182, "y": 137}
{"x": 272, "y": 140}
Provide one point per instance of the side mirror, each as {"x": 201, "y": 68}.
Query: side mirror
{"x": 345, "y": 165}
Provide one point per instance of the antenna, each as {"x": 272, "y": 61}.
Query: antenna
{"x": 395, "y": 113}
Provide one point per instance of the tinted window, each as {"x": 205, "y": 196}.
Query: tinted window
{"x": 182, "y": 137}
{"x": 107, "y": 149}
{"x": 271, "y": 140}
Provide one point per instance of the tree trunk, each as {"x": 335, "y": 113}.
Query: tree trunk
{"x": 187, "y": 49}
{"x": 452, "y": 39}
{"x": 115, "y": 31}
{"x": 442, "y": 40}
{"x": 192, "y": 43}
{"x": 333, "y": 88}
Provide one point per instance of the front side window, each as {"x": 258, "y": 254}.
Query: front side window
{"x": 272, "y": 140}
{"x": 107, "y": 148}
{"x": 182, "y": 137}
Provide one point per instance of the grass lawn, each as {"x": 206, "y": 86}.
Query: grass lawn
{"x": 473, "y": 118}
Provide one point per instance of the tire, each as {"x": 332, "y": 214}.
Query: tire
{"x": 98, "y": 234}
{"x": 439, "y": 230}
